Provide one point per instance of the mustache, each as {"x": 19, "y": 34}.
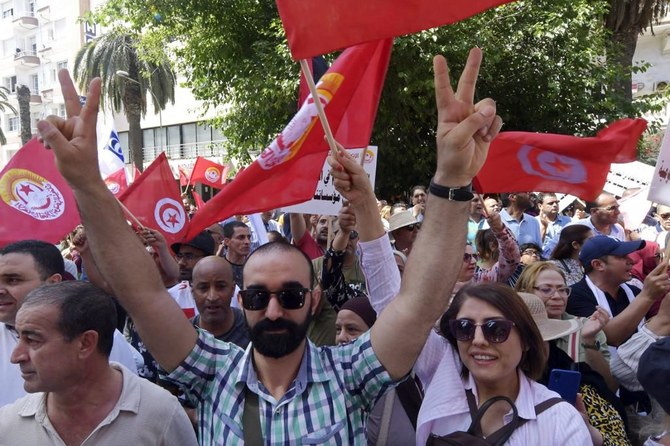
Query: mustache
{"x": 278, "y": 324}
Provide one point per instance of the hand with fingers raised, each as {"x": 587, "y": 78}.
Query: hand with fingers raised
{"x": 73, "y": 139}
{"x": 464, "y": 129}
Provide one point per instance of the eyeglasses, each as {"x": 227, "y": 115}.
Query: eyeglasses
{"x": 256, "y": 299}
{"x": 467, "y": 257}
{"x": 548, "y": 291}
{"x": 495, "y": 331}
{"x": 614, "y": 207}
{"x": 664, "y": 216}
{"x": 659, "y": 256}
{"x": 530, "y": 252}
{"x": 410, "y": 228}
{"x": 188, "y": 256}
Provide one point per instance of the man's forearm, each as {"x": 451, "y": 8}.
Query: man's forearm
{"x": 621, "y": 327}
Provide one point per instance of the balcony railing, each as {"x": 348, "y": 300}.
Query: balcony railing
{"x": 190, "y": 150}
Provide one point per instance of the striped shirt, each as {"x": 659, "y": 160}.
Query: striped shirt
{"x": 327, "y": 403}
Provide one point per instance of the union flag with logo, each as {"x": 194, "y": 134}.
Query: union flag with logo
{"x": 521, "y": 161}
{"x": 117, "y": 182}
{"x": 287, "y": 171}
{"x": 209, "y": 173}
{"x": 155, "y": 201}
{"x": 37, "y": 203}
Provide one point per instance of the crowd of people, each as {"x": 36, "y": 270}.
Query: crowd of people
{"x": 431, "y": 323}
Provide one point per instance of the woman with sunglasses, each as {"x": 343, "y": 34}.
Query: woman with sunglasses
{"x": 588, "y": 345}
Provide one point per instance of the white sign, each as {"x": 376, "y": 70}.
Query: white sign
{"x": 326, "y": 200}
{"x": 659, "y": 191}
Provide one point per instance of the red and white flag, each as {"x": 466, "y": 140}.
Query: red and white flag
{"x": 155, "y": 201}
{"x": 209, "y": 173}
{"x": 37, "y": 203}
{"x": 287, "y": 171}
{"x": 521, "y": 161}
{"x": 315, "y": 27}
{"x": 117, "y": 182}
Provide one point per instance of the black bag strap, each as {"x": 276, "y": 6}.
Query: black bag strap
{"x": 499, "y": 437}
{"x": 251, "y": 419}
{"x": 544, "y": 405}
{"x": 410, "y": 396}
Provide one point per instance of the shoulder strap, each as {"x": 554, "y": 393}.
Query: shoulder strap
{"x": 389, "y": 402}
{"x": 544, "y": 405}
{"x": 251, "y": 419}
{"x": 410, "y": 397}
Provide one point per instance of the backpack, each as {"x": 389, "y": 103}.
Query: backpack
{"x": 474, "y": 437}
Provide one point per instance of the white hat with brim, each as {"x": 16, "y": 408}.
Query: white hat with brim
{"x": 401, "y": 219}
{"x": 549, "y": 328}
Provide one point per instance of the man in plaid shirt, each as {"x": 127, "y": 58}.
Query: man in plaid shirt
{"x": 306, "y": 395}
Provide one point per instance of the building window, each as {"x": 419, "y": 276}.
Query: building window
{"x": 9, "y": 83}
{"x": 34, "y": 83}
{"x": 59, "y": 29}
{"x": 62, "y": 65}
{"x": 12, "y": 123}
{"x": 7, "y": 9}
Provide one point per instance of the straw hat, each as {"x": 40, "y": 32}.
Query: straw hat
{"x": 401, "y": 219}
{"x": 549, "y": 328}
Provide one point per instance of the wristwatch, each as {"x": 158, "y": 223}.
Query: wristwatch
{"x": 463, "y": 193}
{"x": 595, "y": 346}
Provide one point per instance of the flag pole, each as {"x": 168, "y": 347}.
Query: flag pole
{"x": 130, "y": 214}
{"x": 319, "y": 106}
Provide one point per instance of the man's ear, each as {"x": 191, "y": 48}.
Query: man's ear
{"x": 54, "y": 278}
{"x": 597, "y": 264}
{"x": 316, "y": 299}
{"x": 88, "y": 343}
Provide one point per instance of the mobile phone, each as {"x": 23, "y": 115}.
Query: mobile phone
{"x": 565, "y": 383}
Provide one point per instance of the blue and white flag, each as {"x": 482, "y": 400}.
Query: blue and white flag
{"x": 110, "y": 158}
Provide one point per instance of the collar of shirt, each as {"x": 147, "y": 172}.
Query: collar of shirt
{"x": 311, "y": 370}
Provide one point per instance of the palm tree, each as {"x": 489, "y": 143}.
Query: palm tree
{"x": 118, "y": 51}
{"x": 23, "y": 96}
{"x": 627, "y": 19}
{"x": 5, "y": 105}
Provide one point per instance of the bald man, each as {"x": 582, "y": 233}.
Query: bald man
{"x": 212, "y": 290}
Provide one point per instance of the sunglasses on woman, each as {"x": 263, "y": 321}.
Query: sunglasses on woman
{"x": 495, "y": 331}
{"x": 256, "y": 299}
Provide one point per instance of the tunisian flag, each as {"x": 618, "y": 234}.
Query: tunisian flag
{"x": 155, "y": 200}
{"x": 287, "y": 171}
{"x": 117, "y": 182}
{"x": 315, "y": 27}
{"x": 37, "y": 203}
{"x": 183, "y": 177}
{"x": 209, "y": 173}
{"x": 520, "y": 162}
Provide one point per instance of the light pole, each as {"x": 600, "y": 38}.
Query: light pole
{"x": 124, "y": 75}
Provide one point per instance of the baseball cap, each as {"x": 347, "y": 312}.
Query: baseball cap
{"x": 203, "y": 241}
{"x": 601, "y": 245}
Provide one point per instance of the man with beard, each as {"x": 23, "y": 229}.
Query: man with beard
{"x": 313, "y": 247}
{"x": 283, "y": 388}
{"x": 525, "y": 227}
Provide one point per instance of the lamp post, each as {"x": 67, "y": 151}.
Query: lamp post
{"x": 124, "y": 75}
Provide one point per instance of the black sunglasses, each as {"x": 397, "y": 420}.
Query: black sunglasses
{"x": 256, "y": 299}
{"x": 495, "y": 331}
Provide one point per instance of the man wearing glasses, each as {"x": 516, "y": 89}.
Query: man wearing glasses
{"x": 604, "y": 216}
{"x": 283, "y": 388}
{"x": 659, "y": 232}
{"x": 403, "y": 228}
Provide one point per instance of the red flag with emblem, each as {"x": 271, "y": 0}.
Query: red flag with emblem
{"x": 209, "y": 173}
{"x": 315, "y": 27}
{"x": 117, "y": 182}
{"x": 287, "y": 171}
{"x": 37, "y": 203}
{"x": 520, "y": 162}
{"x": 155, "y": 201}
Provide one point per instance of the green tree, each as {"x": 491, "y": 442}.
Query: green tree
{"x": 547, "y": 64}
{"x": 5, "y": 105}
{"x": 118, "y": 51}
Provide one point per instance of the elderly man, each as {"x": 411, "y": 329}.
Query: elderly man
{"x": 25, "y": 266}
{"x": 525, "y": 227}
{"x": 659, "y": 232}
{"x": 404, "y": 229}
{"x": 282, "y": 388}
{"x": 604, "y": 215}
{"x": 606, "y": 271}
{"x": 76, "y": 396}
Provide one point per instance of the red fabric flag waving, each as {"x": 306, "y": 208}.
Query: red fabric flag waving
{"x": 155, "y": 200}
{"x": 287, "y": 171}
{"x": 183, "y": 177}
{"x": 37, "y": 203}
{"x": 199, "y": 202}
{"x": 315, "y": 27}
{"x": 117, "y": 182}
{"x": 519, "y": 162}
{"x": 209, "y": 173}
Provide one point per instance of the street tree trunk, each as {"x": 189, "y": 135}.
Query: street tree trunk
{"x": 23, "y": 95}
{"x": 132, "y": 104}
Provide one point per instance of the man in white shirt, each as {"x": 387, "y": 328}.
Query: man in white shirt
{"x": 25, "y": 266}
{"x": 659, "y": 232}
{"x": 604, "y": 215}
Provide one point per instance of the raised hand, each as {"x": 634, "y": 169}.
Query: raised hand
{"x": 350, "y": 179}
{"x": 73, "y": 139}
{"x": 594, "y": 324}
{"x": 464, "y": 129}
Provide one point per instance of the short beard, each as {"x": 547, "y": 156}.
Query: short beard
{"x": 275, "y": 345}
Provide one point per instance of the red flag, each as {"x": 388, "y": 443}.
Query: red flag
{"x": 520, "y": 161}
{"x": 287, "y": 171}
{"x": 183, "y": 177}
{"x": 318, "y": 67}
{"x": 315, "y": 27}
{"x": 199, "y": 203}
{"x": 37, "y": 203}
{"x": 209, "y": 173}
{"x": 117, "y": 182}
{"x": 155, "y": 200}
